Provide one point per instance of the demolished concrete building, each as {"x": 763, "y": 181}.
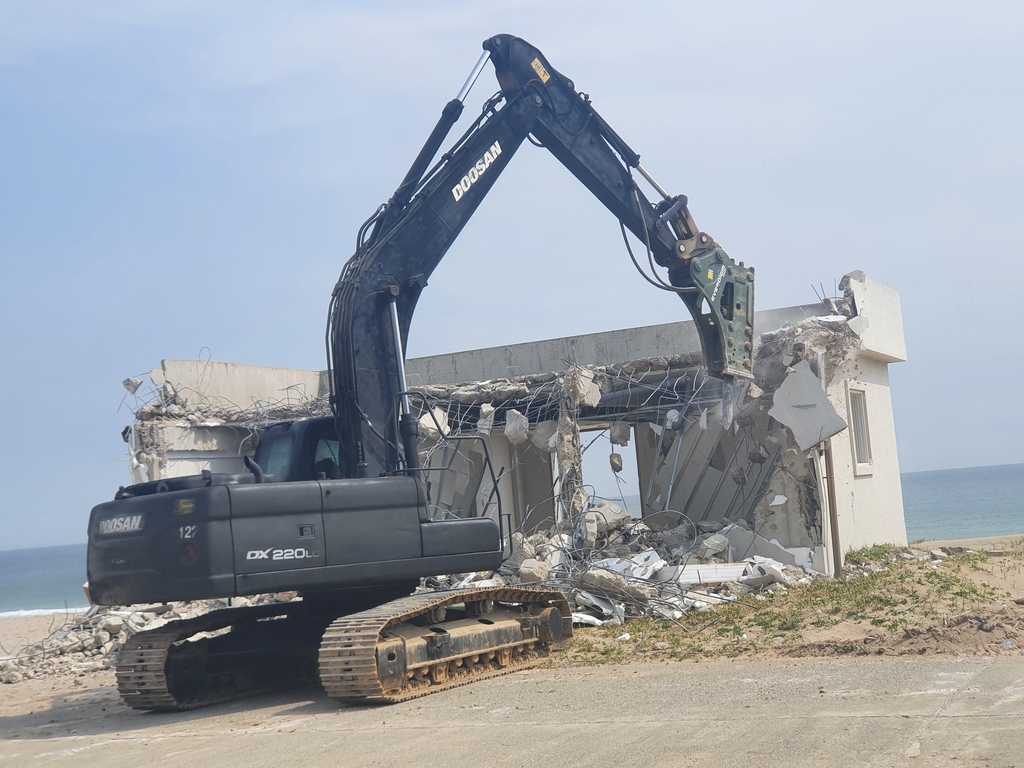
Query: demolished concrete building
{"x": 798, "y": 466}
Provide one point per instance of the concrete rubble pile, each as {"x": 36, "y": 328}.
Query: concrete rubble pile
{"x": 614, "y": 568}
{"x": 90, "y": 642}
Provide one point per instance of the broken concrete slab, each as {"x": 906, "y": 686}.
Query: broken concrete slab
{"x": 532, "y": 571}
{"x": 761, "y": 574}
{"x": 704, "y": 573}
{"x": 801, "y": 404}
{"x": 586, "y": 619}
{"x": 884, "y": 340}
{"x": 613, "y": 584}
{"x": 602, "y": 604}
{"x": 642, "y": 565}
{"x": 712, "y": 545}
{"x": 746, "y": 543}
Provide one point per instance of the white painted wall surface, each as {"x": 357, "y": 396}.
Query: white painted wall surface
{"x": 880, "y": 319}
{"x": 869, "y": 506}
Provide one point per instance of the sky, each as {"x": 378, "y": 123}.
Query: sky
{"x": 187, "y": 178}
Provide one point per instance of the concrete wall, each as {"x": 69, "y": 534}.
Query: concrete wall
{"x": 231, "y": 384}
{"x": 524, "y": 474}
{"x": 175, "y": 449}
{"x": 605, "y": 348}
{"x": 879, "y": 321}
{"x": 869, "y": 505}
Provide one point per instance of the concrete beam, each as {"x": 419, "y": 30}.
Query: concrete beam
{"x": 606, "y": 348}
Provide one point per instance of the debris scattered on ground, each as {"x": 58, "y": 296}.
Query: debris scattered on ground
{"x": 888, "y": 601}
{"x": 614, "y": 568}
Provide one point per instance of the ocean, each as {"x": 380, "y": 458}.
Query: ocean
{"x": 42, "y": 580}
{"x": 964, "y": 503}
{"x": 944, "y": 504}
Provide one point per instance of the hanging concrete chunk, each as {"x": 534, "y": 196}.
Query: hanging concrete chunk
{"x": 801, "y": 404}
{"x": 619, "y": 433}
{"x": 485, "y": 423}
{"x": 428, "y": 426}
{"x": 517, "y": 427}
{"x": 543, "y": 436}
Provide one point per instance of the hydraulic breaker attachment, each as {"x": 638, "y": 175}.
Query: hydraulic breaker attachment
{"x": 722, "y": 307}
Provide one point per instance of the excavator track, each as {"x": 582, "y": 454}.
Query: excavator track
{"x": 430, "y": 642}
{"x": 461, "y": 637}
{"x": 266, "y": 649}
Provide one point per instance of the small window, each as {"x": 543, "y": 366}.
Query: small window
{"x": 861, "y": 435}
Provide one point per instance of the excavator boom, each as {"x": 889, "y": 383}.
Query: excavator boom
{"x": 409, "y": 236}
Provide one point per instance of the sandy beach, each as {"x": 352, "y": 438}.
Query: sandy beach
{"x": 20, "y": 631}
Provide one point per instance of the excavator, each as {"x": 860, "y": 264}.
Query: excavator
{"x": 336, "y": 508}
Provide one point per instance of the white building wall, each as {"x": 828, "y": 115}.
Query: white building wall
{"x": 869, "y": 500}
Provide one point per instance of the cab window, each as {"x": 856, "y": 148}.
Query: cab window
{"x": 325, "y": 460}
{"x": 275, "y": 456}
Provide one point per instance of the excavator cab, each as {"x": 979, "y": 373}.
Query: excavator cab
{"x": 298, "y": 526}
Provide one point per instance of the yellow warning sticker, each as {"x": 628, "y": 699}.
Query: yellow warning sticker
{"x": 539, "y": 69}
{"x": 184, "y": 507}
{"x": 711, "y": 275}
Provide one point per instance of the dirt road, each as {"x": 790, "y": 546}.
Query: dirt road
{"x": 876, "y": 712}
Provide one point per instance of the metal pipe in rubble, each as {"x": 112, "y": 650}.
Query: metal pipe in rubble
{"x": 407, "y": 425}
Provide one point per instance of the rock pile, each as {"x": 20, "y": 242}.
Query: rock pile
{"x": 90, "y": 642}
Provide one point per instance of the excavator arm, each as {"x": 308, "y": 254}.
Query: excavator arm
{"x": 399, "y": 247}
